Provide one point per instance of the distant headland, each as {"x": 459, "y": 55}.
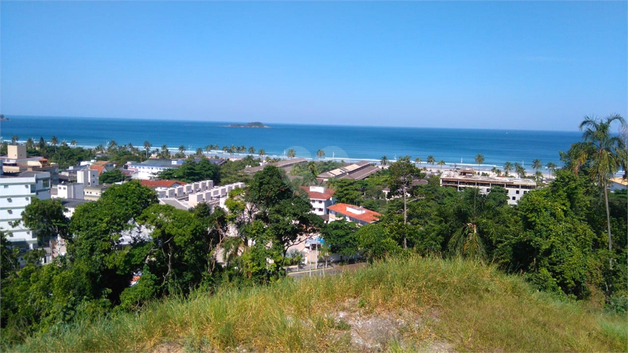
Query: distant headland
{"x": 2, "y": 118}
{"x": 251, "y": 125}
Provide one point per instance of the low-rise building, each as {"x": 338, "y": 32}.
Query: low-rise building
{"x": 320, "y": 198}
{"x": 93, "y": 193}
{"x": 356, "y": 171}
{"x": 352, "y": 213}
{"x": 515, "y": 187}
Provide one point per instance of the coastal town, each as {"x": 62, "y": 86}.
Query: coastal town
{"x": 27, "y": 176}
{"x": 387, "y": 176}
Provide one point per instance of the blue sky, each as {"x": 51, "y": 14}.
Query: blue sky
{"x": 506, "y": 65}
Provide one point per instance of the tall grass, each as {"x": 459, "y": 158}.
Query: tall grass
{"x": 463, "y": 305}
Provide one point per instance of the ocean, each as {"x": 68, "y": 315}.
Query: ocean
{"x": 454, "y": 146}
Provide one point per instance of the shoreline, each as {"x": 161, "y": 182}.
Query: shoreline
{"x": 485, "y": 167}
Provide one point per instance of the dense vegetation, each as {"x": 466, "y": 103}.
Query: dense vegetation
{"x": 401, "y": 305}
{"x": 567, "y": 239}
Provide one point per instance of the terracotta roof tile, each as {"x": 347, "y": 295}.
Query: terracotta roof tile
{"x": 367, "y": 216}
{"x": 99, "y": 168}
{"x": 319, "y": 195}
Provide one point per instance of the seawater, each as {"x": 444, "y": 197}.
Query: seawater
{"x": 454, "y": 146}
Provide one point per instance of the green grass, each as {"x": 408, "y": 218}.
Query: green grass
{"x": 419, "y": 304}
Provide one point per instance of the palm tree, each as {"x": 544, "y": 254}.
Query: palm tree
{"x": 208, "y": 148}
{"x": 384, "y": 160}
{"x": 182, "y": 149}
{"x": 30, "y": 143}
{"x": 418, "y": 160}
{"x": 251, "y": 150}
{"x": 536, "y": 164}
{"x": 441, "y": 163}
{"x": 320, "y": 154}
{"x": 73, "y": 143}
{"x": 14, "y": 139}
{"x": 552, "y": 167}
{"x": 606, "y": 153}
{"x": 261, "y": 152}
{"x": 521, "y": 171}
{"x": 54, "y": 142}
{"x": 147, "y": 147}
{"x": 292, "y": 153}
{"x": 431, "y": 160}
{"x": 507, "y": 168}
{"x": 199, "y": 152}
{"x": 112, "y": 145}
{"x": 479, "y": 159}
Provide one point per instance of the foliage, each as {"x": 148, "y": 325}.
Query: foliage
{"x": 191, "y": 171}
{"x": 340, "y": 236}
{"x": 111, "y": 177}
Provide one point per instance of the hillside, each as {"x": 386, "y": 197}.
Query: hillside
{"x": 419, "y": 304}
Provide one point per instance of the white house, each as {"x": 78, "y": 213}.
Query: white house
{"x": 320, "y": 198}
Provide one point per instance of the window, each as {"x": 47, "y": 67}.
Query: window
{"x": 10, "y": 199}
{"x": 10, "y": 211}
{"x": 513, "y": 198}
{"x": 7, "y": 186}
{"x": 517, "y": 192}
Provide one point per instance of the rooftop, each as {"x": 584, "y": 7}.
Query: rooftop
{"x": 161, "y": 183}
{"x": 318, "y": 192}
{"x": 357, "y": 212}
{"x": 487, "y": 179}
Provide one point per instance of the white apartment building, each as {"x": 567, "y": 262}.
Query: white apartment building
{"x": 515, "y": 187}
{"x": 320, "y": 199}
{"x": 16, "y": 192}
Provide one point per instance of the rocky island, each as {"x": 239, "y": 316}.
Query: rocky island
{"x": 252, "y": 125}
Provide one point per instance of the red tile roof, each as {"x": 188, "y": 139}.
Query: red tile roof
{"x": 368, "y": 216}
{"x": 162, "y": 183}
{"x": 319, "y": 195}
{"x": 99, "y": 168}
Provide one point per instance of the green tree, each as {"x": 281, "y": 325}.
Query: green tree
{"x": 552, "y": 167}
{"x": 14, "y": 139}
{"x": 340, "y": 236}
{"x": 536, "y": 164}
{"x": 251, "y": 150}
{"x": 261, "y": 152}
{"x": 54, "y": 141}
{"x": 606, "y": 153}
{"x": 431, "y": 160}
{"x": 418, "y": 160}
{"x": 320, "y": 154}
{"x": 479, "y": 159}
{"x": 112, "y": 176}
{"x": 402, "y": 175}
{"x": 521, "y": 171}
{"x": 46, "y": 219}
{"x": 73, "y": 143}
{"x": 375, "y": 243}
{"x": 507, "y": 168}
{"x": 147, "y": 147}
{"x": 384, "y": 160}
{"x": 292, "y": 153}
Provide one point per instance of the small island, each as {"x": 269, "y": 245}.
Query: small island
{"x": 252, "y": 125}
{"x": 2, "y": 118}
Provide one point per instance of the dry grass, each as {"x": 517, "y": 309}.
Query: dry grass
{"x": 400, "y": 305}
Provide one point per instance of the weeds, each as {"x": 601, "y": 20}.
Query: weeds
{"x": 429, "y": 303}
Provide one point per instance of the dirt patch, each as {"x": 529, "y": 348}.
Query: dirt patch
{"x": 168, "y": 347}
{"x": 375, "y": 332}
